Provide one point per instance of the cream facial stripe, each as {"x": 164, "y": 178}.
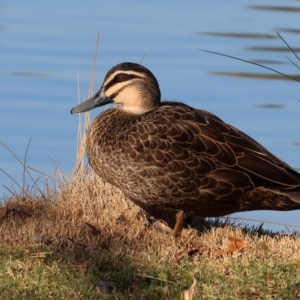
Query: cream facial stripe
{"x": 113, "y": 75}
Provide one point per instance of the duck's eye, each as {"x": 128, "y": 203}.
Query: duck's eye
{"x": 122, "y": 77}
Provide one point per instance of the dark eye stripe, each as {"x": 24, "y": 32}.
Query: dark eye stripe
{"x": 117, "y": 92}
{"x": 115, "y": 79}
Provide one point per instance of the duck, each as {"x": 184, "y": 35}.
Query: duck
{"x": 170, "y": 158}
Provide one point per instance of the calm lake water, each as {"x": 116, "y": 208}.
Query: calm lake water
{"x": 44, "y": 45}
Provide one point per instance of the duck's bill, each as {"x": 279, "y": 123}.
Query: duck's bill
{"x": 97, "y": 100}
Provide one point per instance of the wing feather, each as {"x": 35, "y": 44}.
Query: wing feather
{"x": 186, "y": 153}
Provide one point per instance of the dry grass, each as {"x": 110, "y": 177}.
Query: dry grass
{"x": 86, "y": 232}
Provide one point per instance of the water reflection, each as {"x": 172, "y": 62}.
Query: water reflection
{"x": 288, "y": 30}
{"x": 294, "y": 9}
{"x": 262, "y": 48}
{"x": 239, "y": 35}
{"x": 273, "y": 75}
{"x": 270, "y": 105}
{"x": 270, "y": 62}
{"x": 256, "y": 75}
{"x": 28, "y": 74}
{"x": 271, "y": 49}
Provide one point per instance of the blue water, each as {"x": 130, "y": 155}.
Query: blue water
{"x": 44, "y": 44}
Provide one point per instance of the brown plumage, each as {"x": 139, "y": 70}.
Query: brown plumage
{"x": 169, "y": 156}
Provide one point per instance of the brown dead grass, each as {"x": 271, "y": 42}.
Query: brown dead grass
{"x": 100, "y": 229}
{"x": 87, "y": 215}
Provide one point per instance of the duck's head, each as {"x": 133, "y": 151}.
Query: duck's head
{"x": 131, "y": 86}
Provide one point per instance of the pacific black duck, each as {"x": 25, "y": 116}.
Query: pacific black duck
{"x": 168, "y": 156}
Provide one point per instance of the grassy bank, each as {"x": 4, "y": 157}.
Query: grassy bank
{"x": 85, "y": 241}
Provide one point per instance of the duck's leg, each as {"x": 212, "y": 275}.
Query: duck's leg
{"x": 184, "y": 219}
{"x": 180, "y": 223}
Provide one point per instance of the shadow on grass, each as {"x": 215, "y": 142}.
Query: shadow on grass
{"x": 40, "y": 273}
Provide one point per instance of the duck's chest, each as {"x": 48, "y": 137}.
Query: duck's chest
{"x": 107, "y": 144}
